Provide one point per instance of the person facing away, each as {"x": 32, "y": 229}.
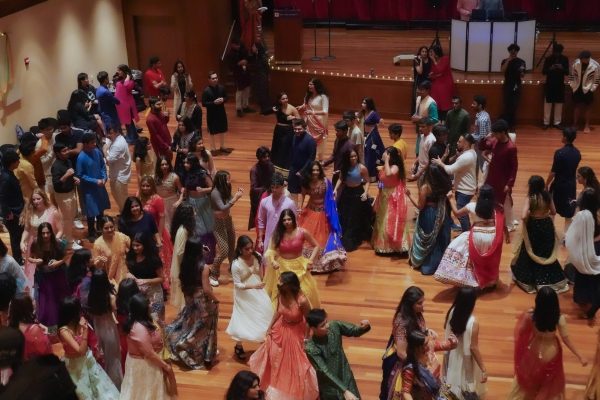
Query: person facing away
{"x": 326, "y": 354}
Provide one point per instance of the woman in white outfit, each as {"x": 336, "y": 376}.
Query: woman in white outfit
{"x": 252, "y": 309}
{"x": 464, "y": 370}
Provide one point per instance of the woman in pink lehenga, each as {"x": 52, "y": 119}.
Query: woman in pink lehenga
{"x": 315, "y": 112}
{"x": 154, "y": 205}
{"x": 280, "y": 362}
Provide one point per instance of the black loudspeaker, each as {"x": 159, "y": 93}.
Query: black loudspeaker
{"x": 557, "y": 5}
{"x": 434, "y": 3}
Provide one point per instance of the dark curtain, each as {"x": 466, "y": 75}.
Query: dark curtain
{"x": 408, "y": 10}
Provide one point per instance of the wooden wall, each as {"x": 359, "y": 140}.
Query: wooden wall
{"x": 191, "y": 30}
{"x": 393, "y": 97}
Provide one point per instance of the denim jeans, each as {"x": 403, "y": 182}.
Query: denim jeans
{"x": 461, "y": 201}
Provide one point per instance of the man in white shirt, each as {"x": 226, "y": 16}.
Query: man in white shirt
{"x": 427, "y": 140}
{"x": 464, "y": 170}
{"x": 118, "y": 160}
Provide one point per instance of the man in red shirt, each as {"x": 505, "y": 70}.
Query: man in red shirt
{"x": 157, "y": 127}
{"x": 503, "y": 167}
{"x": 154, "y": 78}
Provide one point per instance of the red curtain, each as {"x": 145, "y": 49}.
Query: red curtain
{"x": 408, "y": 10}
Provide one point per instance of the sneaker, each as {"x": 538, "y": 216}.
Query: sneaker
{"x": 77, "y": 223}
{"x": 76, "y": 245}
{"x": 516, "y": 222}
{"x": 213, "y": 282}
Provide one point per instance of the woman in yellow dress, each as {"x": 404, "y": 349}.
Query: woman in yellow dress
{"x": 285, "y": 254}
{"x": 110, "y": 250}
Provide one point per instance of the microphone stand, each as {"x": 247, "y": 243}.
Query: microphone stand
{"x": 329, "y": 56}
{"x": 315, "y": 57}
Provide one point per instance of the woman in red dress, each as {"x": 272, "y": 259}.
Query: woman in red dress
{"x": 442, "y": 83}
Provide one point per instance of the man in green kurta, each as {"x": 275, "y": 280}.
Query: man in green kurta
{"x": 326, "y": 354}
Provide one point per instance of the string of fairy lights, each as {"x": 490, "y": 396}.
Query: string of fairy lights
{"x": 406, "y": 78}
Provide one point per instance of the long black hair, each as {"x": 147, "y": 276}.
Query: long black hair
{"x": 289, "y": 284}
{"x": 149, "y": 250}
{"x": 37, "y": 246}
{"x": 280, "y": 228}
{"x": 183, "y": 215}
{"x": 243, "y": 241}
{"x": 538, "y": 195}
{"x": 405, "y": 308}
{"x": 100, "y": 291}
{"x": 192, "y": 264}
{"x": 240, "y": 384}
{"x": 438, "y": 180}
{"x": 484, "y": 208}
{"x": 396, "y": 159}
{"x": 319, "y": 89}
{"x": 21, "y": 310}
{"x": 139, "y": 311}
{"x": 158, "y": 173}
{"x": 127, "y": 289}
{"x": 222, "y": 186}
{"x": 461, "y": 310}
{"x": 69, "y": 311}
{"x": 307, "y": 177}
{"x": 415, "y": 340}
{"x": 547, "y": 310}
{"x": 192, "y": 148}
{"x": 78, "y": 267}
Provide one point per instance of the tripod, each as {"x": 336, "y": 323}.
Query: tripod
{"x": 552, "y": 43}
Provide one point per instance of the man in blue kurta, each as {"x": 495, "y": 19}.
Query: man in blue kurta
{"x": 326, "y": 354}
{"x": 304, "y": 151}
{"x": 91, "y": 170}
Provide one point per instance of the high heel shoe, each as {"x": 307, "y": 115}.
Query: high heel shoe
{"x": 239, "y": 352}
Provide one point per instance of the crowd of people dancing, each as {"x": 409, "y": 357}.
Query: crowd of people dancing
{"x": 104, "y": 298}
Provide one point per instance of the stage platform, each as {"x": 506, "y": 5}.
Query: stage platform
{"x": 363, "y": 64}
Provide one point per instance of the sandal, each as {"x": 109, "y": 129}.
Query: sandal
{"x": 239, "y": 352}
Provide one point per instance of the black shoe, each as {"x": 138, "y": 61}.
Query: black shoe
{"x": 248, "y": 110}
{"x": 225, "y": 150}
{"x": 559, "y": 127}
{"x": 240, "y": 113}
{"x": 267, "y": 112}
{"x": 239, "y": 352}
{"x": 544, "y": 127}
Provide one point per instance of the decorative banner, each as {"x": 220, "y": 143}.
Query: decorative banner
{"x": 5, "y": 65}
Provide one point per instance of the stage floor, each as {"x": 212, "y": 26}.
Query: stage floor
{"x": 360, "y": 51}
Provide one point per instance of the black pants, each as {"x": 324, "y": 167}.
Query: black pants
{"x": 15, "y": 231}
{"x": 93, "y": 224}
{"x": 511, "y": 103}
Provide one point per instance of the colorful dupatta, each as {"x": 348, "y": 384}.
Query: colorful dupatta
{"x": 397, "y": 209}
{"x": 539, "y": 379}
{"x": 423, "y": 243}
{"x": 334, "y": 241}
{"x": 314, "y": 124}
{"x": 486, "y": 266}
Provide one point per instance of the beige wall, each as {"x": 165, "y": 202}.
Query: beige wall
{"x": 61, "y": 39}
